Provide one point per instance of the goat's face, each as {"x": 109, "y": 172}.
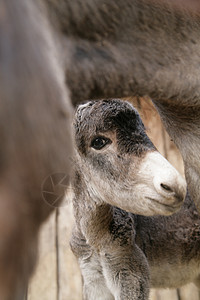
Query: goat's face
{"x": 119, "y": 163}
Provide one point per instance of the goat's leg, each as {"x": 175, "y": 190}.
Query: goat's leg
{"x": 94, "y": 285}
{"x": 126, "y": 273}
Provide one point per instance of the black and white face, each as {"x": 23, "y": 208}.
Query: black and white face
{"x": 119, "y": 163}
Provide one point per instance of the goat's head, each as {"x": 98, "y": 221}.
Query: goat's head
{"x": 119, "y": 163}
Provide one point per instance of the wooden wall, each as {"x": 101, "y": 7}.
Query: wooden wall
{"x": 57, "y": 276}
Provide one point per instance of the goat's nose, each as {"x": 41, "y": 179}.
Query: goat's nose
{"x": 168, "y": 182}
{"x": 173, "y": 188}
{"x": 165, "y": 187}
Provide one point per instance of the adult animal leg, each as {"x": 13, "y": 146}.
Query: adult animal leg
{"x": 18, "y": 249}
{"x": 34, "y": 124}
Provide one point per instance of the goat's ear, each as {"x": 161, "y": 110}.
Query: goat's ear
{"x": 190, "y": 6}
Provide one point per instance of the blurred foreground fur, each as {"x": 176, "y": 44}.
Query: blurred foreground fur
{"x": 34, "y": 133}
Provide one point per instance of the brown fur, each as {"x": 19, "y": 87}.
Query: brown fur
{"x": 33, "y": 100}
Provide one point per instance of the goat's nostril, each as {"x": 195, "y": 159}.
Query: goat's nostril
{"x": 166, "y": 187}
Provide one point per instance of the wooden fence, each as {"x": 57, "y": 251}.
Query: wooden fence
{"x": 57, "y": 276}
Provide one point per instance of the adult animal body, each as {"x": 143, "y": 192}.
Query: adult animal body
{"x": 122, "y": 48}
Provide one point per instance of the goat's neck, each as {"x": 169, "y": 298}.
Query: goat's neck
{"x": 93, "y": 218}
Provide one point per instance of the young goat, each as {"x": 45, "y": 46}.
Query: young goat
{"x": 121, "y": 254}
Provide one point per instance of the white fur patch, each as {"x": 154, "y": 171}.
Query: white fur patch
{"x": 94, "y": 283}
{"x": 139, "y": 190}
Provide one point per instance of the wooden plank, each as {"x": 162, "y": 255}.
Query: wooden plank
{"x": 152, "y": 122}
{"x": 189, "y": 292}
{"x": 70, "y": 285}
{"x": 164, "y": 294}
{"x": 44, "y": 284}
{"x": 172, "y": 153}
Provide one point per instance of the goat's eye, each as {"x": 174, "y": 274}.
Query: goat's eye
{"x": 99, "y": 142}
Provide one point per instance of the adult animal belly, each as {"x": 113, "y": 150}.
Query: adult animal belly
{"x": 171, "y": 275}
